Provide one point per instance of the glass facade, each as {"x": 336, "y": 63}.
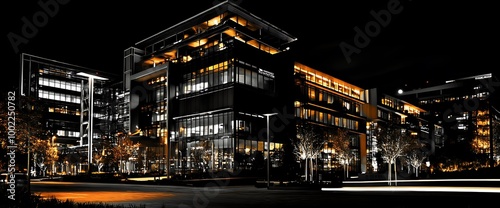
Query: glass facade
{"x": 59, "y": 86}
{"x": 210, "y": 69}
{"x": 330, "y": 104}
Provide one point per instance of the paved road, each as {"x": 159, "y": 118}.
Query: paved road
{"x": 156, "y": 196}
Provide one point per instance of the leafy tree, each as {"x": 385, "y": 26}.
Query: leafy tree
{"x": 307, "y": 145}
{"x": 341, "y": 143}
{"x": 496, "y": 140}
{"x": 26, "y": 112}
{"x": 104, "y": 154}
{"x": 73, "y": 157}
{"x": 125, "y": 149}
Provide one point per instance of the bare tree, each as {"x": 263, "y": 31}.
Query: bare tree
{"x": 416, "y": 158}
{"x": 415, "y": 155}
{"x": 393, "y": 143}
{"x": 307, "y": 146}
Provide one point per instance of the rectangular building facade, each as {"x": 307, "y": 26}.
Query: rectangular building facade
{"x": 64, "y": 91}
{"x": 467, "y": 109}
{"x": 383, "y": 109}
{"x": 199, "y": 90}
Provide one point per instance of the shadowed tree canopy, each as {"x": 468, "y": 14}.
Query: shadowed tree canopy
{"x": 23, "y": 114}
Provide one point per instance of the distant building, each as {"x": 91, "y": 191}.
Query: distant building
{"x": 467, "y": 109}
{"x": 383, "y": 109}
{"x": 65, "y": 92}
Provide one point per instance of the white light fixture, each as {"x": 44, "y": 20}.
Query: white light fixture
{"x": 91, "y": 76}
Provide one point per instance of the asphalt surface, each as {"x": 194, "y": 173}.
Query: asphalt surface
{"x": 220, "y": 194}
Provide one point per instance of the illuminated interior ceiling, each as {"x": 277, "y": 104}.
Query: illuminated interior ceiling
{"x": 325, "y": 77}
{"x": 212, "y": 22}
{"x": 230, "y": 32}
{"x": 248, "y": 40}
{"x": 198, "y": 42}
{"x": 171, "y": 54}
{"x": 161, "y": 57}
{"x": 243, "y": 22}
{"x": 154, "y": 60}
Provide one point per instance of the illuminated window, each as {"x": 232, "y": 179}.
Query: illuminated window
{"x": 312, "y": 94}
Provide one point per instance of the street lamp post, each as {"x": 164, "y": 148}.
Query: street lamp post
{"x": 89, "y": 107}
{"x": 268, "y": 147}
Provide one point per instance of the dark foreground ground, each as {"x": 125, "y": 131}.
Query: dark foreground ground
{"x": 221, "y": 194}
{"x": 151, "y": 192}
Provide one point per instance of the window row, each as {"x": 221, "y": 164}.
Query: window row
{"x": 254, "y": 79}
{"x": 326, "y": 118}
{"x": 58, "y": 96}
{"x": 204, "y": 125}
{"x": 64, "y": 110}
{"x": 224, "y": 73}
{"x": 249, "y": 147}
{"x": 320, "y": 95}
{"x": 329, "y": 82}
{"x": 68, "y": 133}
{"x": 205, "y": 78}
{"x": 73, "y": 86}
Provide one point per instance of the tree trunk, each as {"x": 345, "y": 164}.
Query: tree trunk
{"x": 306, "y": 179}
{"x": 389, "y": 178}
{"x": 395, "y": 173}
{"x": 311, "y": 168}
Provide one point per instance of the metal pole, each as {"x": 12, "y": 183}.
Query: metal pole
{"x": 268, "y": 148}
{"x": 491, "y": 126}
{"x": 90, "y": 124}
{"x": 268, "y": 151}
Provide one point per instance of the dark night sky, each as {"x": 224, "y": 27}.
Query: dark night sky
{"x": 425, "y": 41}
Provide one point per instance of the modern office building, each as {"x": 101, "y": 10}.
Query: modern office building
{"x": 71, "y": 94}
{"x": 200, "y": 88}
{"x": 467, "y": 109}
{"x": 383, "y": 109}
{"x": 331, "y": 103}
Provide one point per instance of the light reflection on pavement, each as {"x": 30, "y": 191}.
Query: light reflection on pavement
{"x": 105, "y": 196}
